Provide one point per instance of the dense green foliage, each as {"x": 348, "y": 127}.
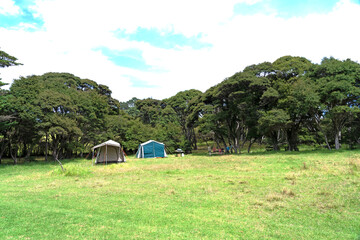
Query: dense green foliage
{"x": 294, "y": 195}
{"x": 281, "y": 104}
{"x": 287, "y": 102}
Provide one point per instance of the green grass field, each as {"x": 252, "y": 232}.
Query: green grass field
{"x": 303, "y": 195}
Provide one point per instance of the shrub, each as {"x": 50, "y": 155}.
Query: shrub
{"x": 73, "y": 171}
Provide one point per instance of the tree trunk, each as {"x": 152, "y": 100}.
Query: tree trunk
{"x": 325, "y": 137}
{"x": 292, "y": 139}
{"x": 2, "y": 149}
{"x": 327, "y": 142}
{"x": 56, "y": 158}
{"x": 337, "y": 139}
{"x": 46, "y": 147}
{"x": 55, "y": 148}
{"x": 24, "y": 150}
{"x": 317, "y": 121}
{"x": 250, "y": 143}
{"x": 194, "y": 140}
{"x": 243, "y": 143}
{"x": 55, "y": 154}
{"x": 276, "y": 147}
{"x": 69, "y": 154}
{"x": 28, "y": 152}
{"x": 13, "y": 154}
{"x": 275, "y": 140}
{"x": 237, "y": 146}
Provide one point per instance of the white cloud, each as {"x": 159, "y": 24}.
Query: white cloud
{"x": 73, "y": 30}
{"x": 8, "y": 7}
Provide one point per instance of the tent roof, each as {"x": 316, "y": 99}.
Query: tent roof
{"x": 142, "y": 144}
{"x": 109, "y": 143}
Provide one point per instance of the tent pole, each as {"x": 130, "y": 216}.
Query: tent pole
{"x": 119, "y": 155}
{"x": 92, "y": 158}
{"x": 106, "y": 153}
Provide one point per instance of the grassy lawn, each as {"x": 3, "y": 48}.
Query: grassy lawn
{"x": 303, "y": 195}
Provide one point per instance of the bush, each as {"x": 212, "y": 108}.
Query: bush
{"x": 73, "y": 171}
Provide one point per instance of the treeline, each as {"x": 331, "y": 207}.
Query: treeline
{"x": 281, "y": 104}
{"x": 287, "y": 102}
{"x": 64, "y": 115}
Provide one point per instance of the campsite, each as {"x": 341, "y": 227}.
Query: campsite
{"x": 295, "y": 195}
{"x": 179, "y": 119}
{"x": 249, "y": 158}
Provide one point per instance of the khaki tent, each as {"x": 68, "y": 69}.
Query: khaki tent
{"x": 109, "y": 152}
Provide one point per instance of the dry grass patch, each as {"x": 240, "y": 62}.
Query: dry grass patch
{"x": 258, "y": 203}
{"x": 33, "y": 177}
{"x": 288, "y": 192}
{"x": 328, "y": 205}
{"x": 354, "y": 162}
{"x": 274, "y": 196}
{"x": 324, "y": 193}
{"x": 292, "y": 176}
{"x": 98, "y": 183}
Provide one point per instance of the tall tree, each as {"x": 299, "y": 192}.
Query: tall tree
{"x": 67, "y": 111}
{"x": 7, "y": 121}
{"x": 339, "y": 90}
{"x": 292, "y": 94}
{"x": 236, "y": 104}
{"x": 180, "y": 104}
{"x": 6, "y": 118}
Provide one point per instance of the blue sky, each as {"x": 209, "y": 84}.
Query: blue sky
{"x": 286, "y": 9}
{"x": 149, "y": 47}
{"x": 24, "y": 14}
{"x": 163, "y": 39}
{"x": 9, "y": 21}
{"x": 131, "y": 58}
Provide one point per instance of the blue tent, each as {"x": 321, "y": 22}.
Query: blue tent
{"x": 151, "y": 149}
